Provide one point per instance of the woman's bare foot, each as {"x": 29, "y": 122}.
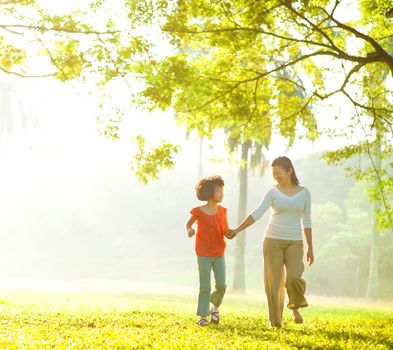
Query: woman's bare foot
{"x": 275, "y": 325}
{"x": 297, "y": 317}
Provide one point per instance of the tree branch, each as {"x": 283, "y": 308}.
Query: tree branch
{"x": 291, "y": 81}
{"x": 302, "y": 109}
{"x": 255, "y": 30}
{"x": 50, "y": 55}
{"x": 376, "y": 171}
{"x": 335, "y": 7}
{"x": 228, "y": 14}
{"x": 56, "y": 29}
{"x": 220, "y": 95}
{"x": 354, "y": 69}
{"x": 385, "y": 37}
{"x": 25, "y": 76}
{"x": 379, "y": 51}
{"x": 367, "y": 108}
{"x": 264, "y": 74}
{"x": 11, "y": 31}
{"x": 343, "y": 56}
{"x": 108, "y": 53}
{"x": 288, "y": 5}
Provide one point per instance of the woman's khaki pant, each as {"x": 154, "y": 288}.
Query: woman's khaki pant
{"x": 283, "y": 269}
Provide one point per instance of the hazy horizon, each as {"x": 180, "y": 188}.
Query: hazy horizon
{"x": 71, "y": 209}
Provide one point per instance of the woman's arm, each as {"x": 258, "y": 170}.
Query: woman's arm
{"x": 248, "y": 221}
{"x": 306, "y": 217}
{"x": 255, "y": 215}
{"x": 310, "y": 251}
{"x": 306, "y": 222}
{"x": 190, "y": 230}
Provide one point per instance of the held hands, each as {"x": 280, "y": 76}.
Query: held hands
{"x": 230, "y": 234}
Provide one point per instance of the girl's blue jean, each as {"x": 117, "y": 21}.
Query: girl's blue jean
{"x": 205, "y": 265}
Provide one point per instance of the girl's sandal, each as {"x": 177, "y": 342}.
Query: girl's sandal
{"x": 203, "y": 322}
{"x": 215, "y": 317}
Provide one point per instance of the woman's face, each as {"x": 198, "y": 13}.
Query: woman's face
{"x": 281, "y": 175}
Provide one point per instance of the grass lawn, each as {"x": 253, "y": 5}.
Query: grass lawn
{"x": 50, "y": 320}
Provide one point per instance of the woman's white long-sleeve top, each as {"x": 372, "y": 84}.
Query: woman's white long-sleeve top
{"x": 289, "y": 214}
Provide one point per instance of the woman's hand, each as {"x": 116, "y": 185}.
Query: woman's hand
{"x": 310, "y": 256}
{"x": 230, "y": 234}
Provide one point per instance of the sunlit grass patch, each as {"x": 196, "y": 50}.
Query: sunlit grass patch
{"x": 136, "y": 321}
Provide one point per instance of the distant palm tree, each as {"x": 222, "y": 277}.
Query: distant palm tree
{"x": 251, "y": 157}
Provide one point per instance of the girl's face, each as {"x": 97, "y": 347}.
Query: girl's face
{"x": 281, "y": 175}
{"x": 218, "y": 194}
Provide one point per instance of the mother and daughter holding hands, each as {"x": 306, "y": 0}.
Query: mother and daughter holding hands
{"x": 290, "y": 206}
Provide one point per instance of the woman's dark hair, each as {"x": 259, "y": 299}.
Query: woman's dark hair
{"x": 205, "y": 188}
{"x": 286, "y": 164}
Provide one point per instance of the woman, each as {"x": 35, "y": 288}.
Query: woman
{"x": 283, "y": 243}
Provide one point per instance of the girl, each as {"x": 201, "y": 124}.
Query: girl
{"x": 283, "y": 243}
{"x": 212, "y": 224}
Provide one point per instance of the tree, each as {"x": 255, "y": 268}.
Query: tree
{"x": 237, "y": 42}
{"x": 69, "y": 44}
{"x": 373, "y": 279}
{"x": 342, "y": 257}
{"x": 226, "y": 70}
{"x": 84, "y": 42}
{"x": 231, "y": 72}
{"x": 224, "y": 67}
{"x": 254, "y": 151}
{"x": 251, "y": 157}
{"x": 379, "y": 179}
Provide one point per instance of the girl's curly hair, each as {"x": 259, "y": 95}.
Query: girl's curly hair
{"x": 206, "y": 187}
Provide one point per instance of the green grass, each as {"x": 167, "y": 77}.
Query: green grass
{"x": 38, "y": 320}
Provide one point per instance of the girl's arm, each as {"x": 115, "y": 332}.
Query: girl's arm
{"x": 190, "y": 230}
{"x": 310, "y": 251}
{"x": 228, "y": 233}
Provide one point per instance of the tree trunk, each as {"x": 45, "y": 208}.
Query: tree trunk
{"x": 373, "y": 278}
{"x": 240, "y": 247}
{"x": 357, "y": 279}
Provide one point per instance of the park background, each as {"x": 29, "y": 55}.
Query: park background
{"x": 81, "y": 214}
{"x": 73, "y": 212}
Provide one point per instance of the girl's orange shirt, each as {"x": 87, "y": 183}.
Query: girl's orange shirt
{"x": 210, "y": 232}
